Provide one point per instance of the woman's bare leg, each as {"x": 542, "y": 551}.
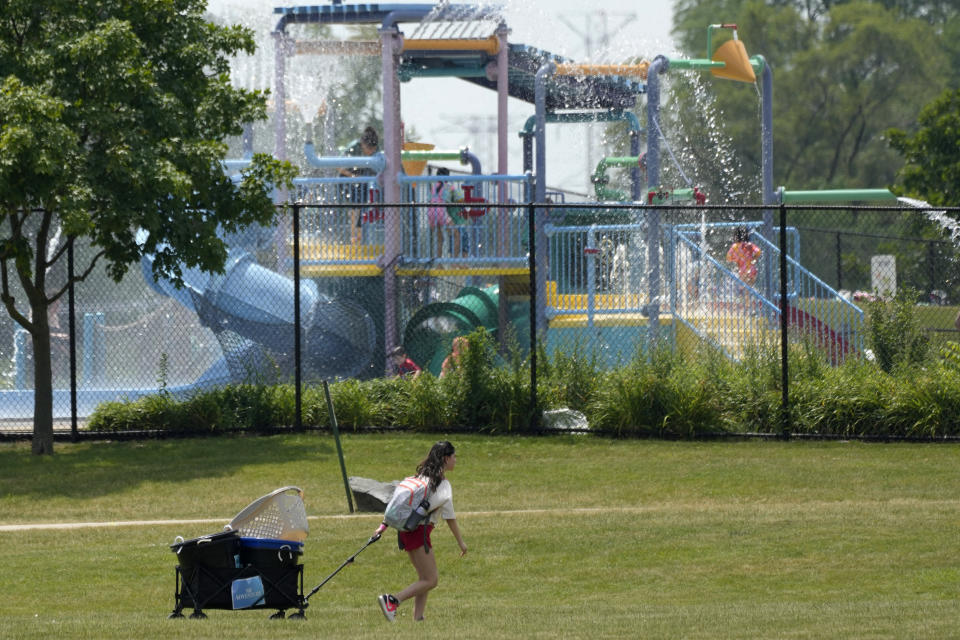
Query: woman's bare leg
{"x": 427, "y": 578}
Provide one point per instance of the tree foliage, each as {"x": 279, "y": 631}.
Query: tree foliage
{"x": 932, "y": 153}
{"x": 113, "y": 121}
{"x": 844, "y": 73}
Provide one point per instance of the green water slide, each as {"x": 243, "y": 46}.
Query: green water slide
{"x": 430, "y": 332}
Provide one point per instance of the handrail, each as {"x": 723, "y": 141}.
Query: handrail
{"x": 377, "y": 161}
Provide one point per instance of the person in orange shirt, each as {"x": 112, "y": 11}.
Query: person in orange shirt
{"x": 744, "y": 254}
{"x": 457, "y": 349}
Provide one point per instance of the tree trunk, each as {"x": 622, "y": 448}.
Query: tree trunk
{"x": 42, "y": 385}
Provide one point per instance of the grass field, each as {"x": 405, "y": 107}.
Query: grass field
{"x": 575, "y": 537}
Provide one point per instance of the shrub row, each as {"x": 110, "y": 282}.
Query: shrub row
{"x": 664, "y": 394}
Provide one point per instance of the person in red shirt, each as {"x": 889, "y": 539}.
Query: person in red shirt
{"x": 401, "y": 365}
{"x": 745, "y": 255}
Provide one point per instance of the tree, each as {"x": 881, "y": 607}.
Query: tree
{"x": 932, "y": 154}
{"x": 844, "y": 72}
{"x": 113, "y": 120}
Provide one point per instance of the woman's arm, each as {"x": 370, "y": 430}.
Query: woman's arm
{"x": 455, "y": 530}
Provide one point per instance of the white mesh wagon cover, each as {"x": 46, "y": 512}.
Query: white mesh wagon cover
{"x": 280, "y": 514}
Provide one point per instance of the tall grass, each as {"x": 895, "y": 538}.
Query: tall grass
{"x": 905, "y": 392}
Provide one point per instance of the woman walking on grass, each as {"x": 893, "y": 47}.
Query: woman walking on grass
{"x": 416, "y": 543}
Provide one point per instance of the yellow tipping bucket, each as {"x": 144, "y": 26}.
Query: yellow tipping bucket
{"x": 738, "y": 67}
{"x": 415, "y": 167}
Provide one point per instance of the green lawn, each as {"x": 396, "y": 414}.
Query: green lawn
{"x": 574, "y": 537}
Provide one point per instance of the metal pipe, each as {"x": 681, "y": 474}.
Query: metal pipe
{"x": 503, "y": 95}
{"x": 408, "y": 73}
{"x": 343, "y": 467}
{"x": 527, "y": 151}
{"x": 697, "y": 63}
{"x": 540, "y": 103}
{"x": 391, "y": 44}
{"x": 768, "y": 195}
{"x": 377, "y": 161}
{"x": 659, "y": 66}
{"x": 502, "y": 70}
{"x": 614, "y": 115}
{"x": 636, "y": 187}
{"x": 536, "y": 312}
{"x": 463, "y": 156}
{"x": 401, "y": 13}
{"x": 468, "y": 157}
{"x": 72, "y": 333}
{"x": 837, "y": 195}
{"x": 600, "y": 177}
{"x": 297, "y": 327}
{"x": 784, "y": 330}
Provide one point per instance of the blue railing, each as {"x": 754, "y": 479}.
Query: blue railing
{"x": 712, "y": 301}
{"x": 817, "y": 310}
{"x": 448, "y": 222}
{"x": 340, "y": 235}
{"x": 597, "y": 269}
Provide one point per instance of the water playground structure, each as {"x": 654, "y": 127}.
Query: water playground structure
{"x": 609, "y": 272}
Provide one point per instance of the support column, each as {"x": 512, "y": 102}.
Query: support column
{"x": 769, "y": 195}
{"x": 540, "y": 100}
{"x": 503, "y": 93}
{"x": 658, "y": 66}
{"x": 503, "y": 231}
{"x": 391, "y": 46}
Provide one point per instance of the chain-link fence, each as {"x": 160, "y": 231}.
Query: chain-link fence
{"x": 362, "y": 278}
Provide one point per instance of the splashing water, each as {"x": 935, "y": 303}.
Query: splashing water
{"x": 948, "y": 224}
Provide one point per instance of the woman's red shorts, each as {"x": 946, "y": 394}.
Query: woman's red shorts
{"x": 412, "y": 540}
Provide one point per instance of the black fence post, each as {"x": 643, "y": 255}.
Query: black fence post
{"x": 72, "y": 329}
{"x": 784, "y": 329}
{"x": 532, "y": 263}
{"x": 297, "y": 377}
{"x": 839, "y": 262}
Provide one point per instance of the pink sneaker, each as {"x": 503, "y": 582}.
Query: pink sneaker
{"x": 388, "y": 604}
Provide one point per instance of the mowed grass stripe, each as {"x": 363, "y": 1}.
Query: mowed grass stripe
{"x": 712, "y": 506}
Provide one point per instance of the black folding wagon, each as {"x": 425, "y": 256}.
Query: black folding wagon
{"x": 253, "y": 564}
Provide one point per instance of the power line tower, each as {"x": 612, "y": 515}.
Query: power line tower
{"x": 596, "y": 31}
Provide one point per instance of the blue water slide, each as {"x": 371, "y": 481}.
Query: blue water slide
{"x": 251, "y": 309}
